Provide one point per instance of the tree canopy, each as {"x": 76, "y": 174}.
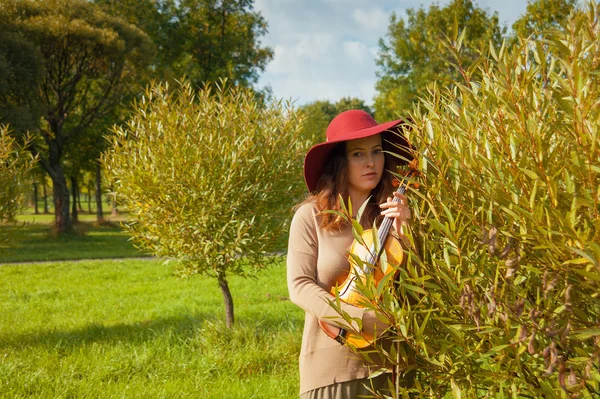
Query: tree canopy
{"x": 203, "y": 40}
{"x": 542, "y": 15}
{"x": 83, "y": 63}
{"x": 414, "y": 51}
{"x": 424, "y": 47}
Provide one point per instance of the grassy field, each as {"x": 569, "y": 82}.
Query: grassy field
{"x": 129, "y": 328}
{"x": 31, "y": 239}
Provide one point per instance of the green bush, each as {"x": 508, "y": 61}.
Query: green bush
{"x": 501, "y": 295}
{"x": 15, "y": 165}
{"x": 208, "y": 178}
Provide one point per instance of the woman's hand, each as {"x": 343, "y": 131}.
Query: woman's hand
{"x": 372, "y": 325}
{"x": 399, "y": 211}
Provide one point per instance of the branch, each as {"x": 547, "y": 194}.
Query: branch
{"x": 46, "y": 135}
{"x": 102, "y": 107}
{"x": 43, "y": 161}
{"x": 71, "y": 85}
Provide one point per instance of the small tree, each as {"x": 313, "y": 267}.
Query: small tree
{"x": 208, "y": 178}
{"x": 15, "y": 165}
{"x": 500, "y": 296}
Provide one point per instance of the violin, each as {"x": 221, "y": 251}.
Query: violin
{"x": 372, "y": 262}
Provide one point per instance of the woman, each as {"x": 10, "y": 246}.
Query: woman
{"x": 351, "y": 163}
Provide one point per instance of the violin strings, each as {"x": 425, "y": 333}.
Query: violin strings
{"x": 372, "y": 256}
{"x": 387, "y": 221}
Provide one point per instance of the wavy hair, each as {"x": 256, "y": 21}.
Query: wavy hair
{"x": 333, "y": 183}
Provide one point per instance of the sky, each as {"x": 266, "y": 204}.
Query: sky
{"x": 326, "y": 49}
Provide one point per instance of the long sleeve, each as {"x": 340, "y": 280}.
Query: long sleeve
{"x": 314, "y": 261}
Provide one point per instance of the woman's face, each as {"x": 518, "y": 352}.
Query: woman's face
{"x": 365, "y": 163}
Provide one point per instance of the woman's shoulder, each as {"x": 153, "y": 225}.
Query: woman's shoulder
{"x": 304, "y": 222}
{"x": 307, "y": 209}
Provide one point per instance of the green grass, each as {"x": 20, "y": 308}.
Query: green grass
{"x": 29, "y": 208}
{"x": 32, "y": 239}
{"x": 28, "y": 215}
{"x": 102, "y": 329}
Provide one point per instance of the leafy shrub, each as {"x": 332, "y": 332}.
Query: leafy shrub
{"x": 501, "y": 294}
{"x": 15, "y": 165}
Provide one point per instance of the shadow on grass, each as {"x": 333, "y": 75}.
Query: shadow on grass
{"x": 109, "y": 334}
{"x": 33, "y": 242}
{"x": 182, "y": 327}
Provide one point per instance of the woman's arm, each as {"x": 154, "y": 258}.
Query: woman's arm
{"x": 302, "y": 273}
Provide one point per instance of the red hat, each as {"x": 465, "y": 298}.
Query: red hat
{"x": 349, "y": 125}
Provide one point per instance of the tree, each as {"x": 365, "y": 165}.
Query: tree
{"x": 347, "y": 103}
{"x": 20, "y": 71}
{"x": 85, "y": 62}
{"x": 414, "y": 53}
{"x": 318, "y": 114}
{"x": 221, "y": 41}
{"x": 208, "y": 178}
{"x": 15, "y": 166}
{"x": 542, "y": 15}
{"x": 499, "y": 296}
{"x": 83, "y": 156}
{"x": 203, "y": 40}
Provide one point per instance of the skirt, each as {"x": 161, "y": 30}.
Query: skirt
{"x": 351, "y": 389}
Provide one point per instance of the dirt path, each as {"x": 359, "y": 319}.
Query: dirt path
{"x": 41, "y": 262}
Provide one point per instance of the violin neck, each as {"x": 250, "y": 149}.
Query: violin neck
{"x": 386, "y": 225}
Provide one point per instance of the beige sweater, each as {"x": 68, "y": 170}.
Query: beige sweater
{"x": 315, "y": 260}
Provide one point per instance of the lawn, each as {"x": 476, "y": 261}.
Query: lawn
{"x": 129, "y": 328}
{"x": 32, "y": 239}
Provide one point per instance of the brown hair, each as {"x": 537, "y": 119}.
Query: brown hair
{"x": 333, "y": 183}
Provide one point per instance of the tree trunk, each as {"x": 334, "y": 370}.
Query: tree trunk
{"x": 62, "y": 216}
{"x": 89, "y": 197}
{"x": 45, "y": 197}
{"x": 74, "y": 189}
{"x": 227, "y": 299}
{"x": 60, "y": 191}
{"x": 79, "y": 208}
{"x": 99, "y": 213}
{"x": 35, "y": 198}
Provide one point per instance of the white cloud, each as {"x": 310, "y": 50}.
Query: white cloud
{"x": 295, "y": 55}
{"x": 357, "y": 51}
{"x": 326, "y": 49}
{"x": 374, "y": 19}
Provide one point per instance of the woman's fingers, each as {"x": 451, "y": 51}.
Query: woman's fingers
{"x": 372, "y": 325}
{"x": 396, "y": 209}
{"x": 390, "y": 202}
{"x": 403, "y": 199}
{"x": 401, "y": 213}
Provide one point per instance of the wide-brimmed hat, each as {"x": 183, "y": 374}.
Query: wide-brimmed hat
{"x": 350, "y": 125}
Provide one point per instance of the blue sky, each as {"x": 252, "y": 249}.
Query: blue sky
{"x": 326, "y": 49}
